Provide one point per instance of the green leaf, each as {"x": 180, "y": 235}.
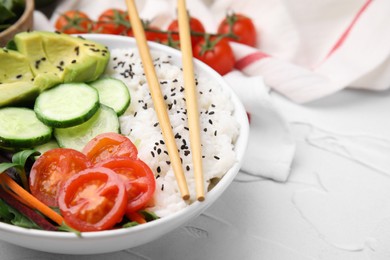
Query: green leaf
{"x": 130, "y": 224}
{"x": 10, "y": 215}
{"x": 149, "y": 216}
{"x": 22, "y": 156}
{"x": 5, "y": 166}
{"x": 65, "y": 227}
{"x": 5, "y": 13}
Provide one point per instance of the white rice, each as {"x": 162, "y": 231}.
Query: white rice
{"x": 140, "y": 124}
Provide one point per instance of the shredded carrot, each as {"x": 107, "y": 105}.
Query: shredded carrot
{"x": 31, "y": 200}
{"x": 15, "y": 196}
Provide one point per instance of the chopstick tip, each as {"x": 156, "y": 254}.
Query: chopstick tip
{"x": 201, "y": 198}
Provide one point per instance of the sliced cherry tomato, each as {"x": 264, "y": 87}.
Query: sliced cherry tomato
{"x": 195, "y": 26}
{"x": 112, "y": 21}
{"x": 138, "y": 178}
{"x": 74, "y": 22}
{"x": 93, "y": 200}
{"x": 108, "y": 145}
{"x": 239, "y": 26}
{"x": 51, "y": 169}
{"x": 216, "y": 53}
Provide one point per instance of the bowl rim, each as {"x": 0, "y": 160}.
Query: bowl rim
{"x": 195, "y": 206}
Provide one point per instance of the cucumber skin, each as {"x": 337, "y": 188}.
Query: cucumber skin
{"x": 69, "y": 123}
{"x": 23, "y": 144}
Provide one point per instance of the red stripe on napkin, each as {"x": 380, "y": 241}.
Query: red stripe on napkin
{"x": 342, "y": 38}
{"x": 243, "y": 62}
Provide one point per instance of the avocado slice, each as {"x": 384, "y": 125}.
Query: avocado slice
{"x": 14, "y": 67}
{"x": 16, "y": 79}
{"x": 73, "y": 59}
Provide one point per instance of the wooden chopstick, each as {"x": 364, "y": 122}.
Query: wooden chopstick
{"x": 157, "y": 98}
{"x": 191, "y": 97}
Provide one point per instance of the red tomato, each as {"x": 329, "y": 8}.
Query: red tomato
{"x": 51, "y": 169}
{"x": 195, "y": 26}
{"x": 216, "y": 53}
{"x": 240, "y": 26}
{"x": 155, "y": 36}
{"x": 108, "y": 145}
{"x": 93, "y": 200}
{"x": 74, "y": 22}
{"x": 112, "y": 21}
{"x": 138, "y": 178}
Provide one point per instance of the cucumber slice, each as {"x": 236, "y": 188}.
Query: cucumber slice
{"x": 105, "y": 120}
{"x": 67, "y": 105}
{"x": 20, "y": 127}
{"x": 113, "y": 93}
{"x": 52, "y": 144}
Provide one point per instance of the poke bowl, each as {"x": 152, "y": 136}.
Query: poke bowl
{"x": 231, "y": 124}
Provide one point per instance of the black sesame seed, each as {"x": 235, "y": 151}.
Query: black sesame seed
{"x": 211, "y": 113}
{"x": 162, "y": 187}
{"x": 158, "y": 176}
{"x": 168, "y": 162}
{"x": 162, "y": 142}
{"x": 210, "y": 121}
{"x": 205, "y": 129}
{"x": 73, "y": 61}
{"x": 19, "y": 76}
{"x": 186, "y": 128}
{"x": 175, "y": 80}
{"x": 216, "y": 157}
{"x": 187, "y": 168}
{"x": 152, "y": 153}
{"x": 215, "y": 133}
{"x": 158, "y": 150}
{"x": 186, "y": 152}
{"x": 158, "y": 169}
{"x": 156, "y": 124}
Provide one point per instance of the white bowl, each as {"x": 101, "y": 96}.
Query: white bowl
{"x": 115, "y": 240}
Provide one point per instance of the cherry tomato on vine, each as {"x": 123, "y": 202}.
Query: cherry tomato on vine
{"x": 112, "y": 21}
{"x": 241, "y": 26}
{"x": 151, "y": 34}
{"x": 138, "y": 178}
{"x": 93, "y": 199}
{"x": 215, "y": 52}
{"x": 51, "y": 169}
{"x": 195, "y": 26}
{"x": 74, "y": 21}
{"x": 108, "y": 145}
